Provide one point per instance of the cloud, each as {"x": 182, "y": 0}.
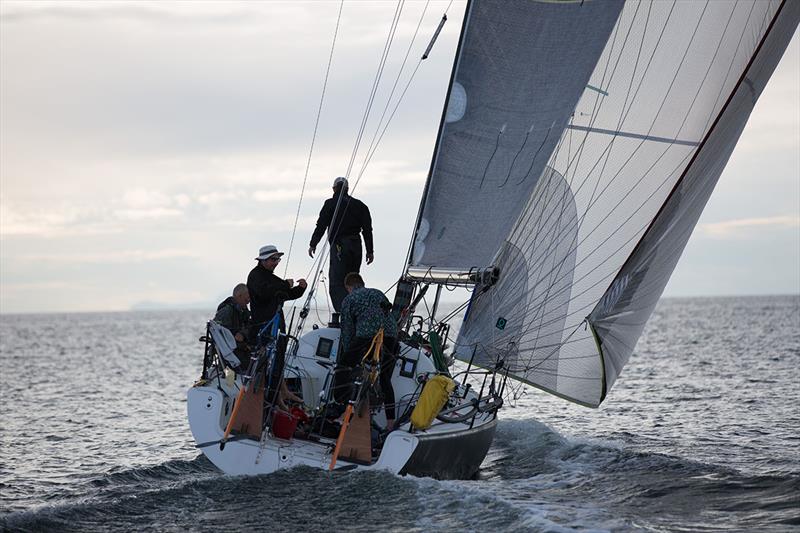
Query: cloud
{"x": 114, "y": 257}
{"x": 122, "y": 11}
{"x": 146, "y": 214}
{"x": 144, "y": 199}
{"x": 57, "y": 221}
{"x": 746, "y": 227}
{"x": 289, "y": 195}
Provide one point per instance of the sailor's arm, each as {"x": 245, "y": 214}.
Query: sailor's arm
{"x": 323, "y": 221}
{"x": 298, "y": 290}
{"x": 366, "y": 229}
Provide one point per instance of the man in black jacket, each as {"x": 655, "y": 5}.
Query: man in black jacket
{"x": 352, "y": 219}
{"x": 267, "y": 294}
{"x": 234, "y": 314}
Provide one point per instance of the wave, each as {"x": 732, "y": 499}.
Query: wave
{"x": 633, "y": 483}
{"x": 535, "y": 479}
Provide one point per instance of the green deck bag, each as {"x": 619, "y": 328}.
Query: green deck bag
{"x": 434, "y": 395}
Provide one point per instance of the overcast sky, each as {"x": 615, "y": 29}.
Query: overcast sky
{"x": 148, "y": 149}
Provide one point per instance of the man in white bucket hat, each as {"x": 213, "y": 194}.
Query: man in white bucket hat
{"x": 268, "y": 291}
{"x": 267, "y": 294}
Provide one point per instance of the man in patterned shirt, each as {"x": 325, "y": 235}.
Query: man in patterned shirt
{"x": 364, "y": 312}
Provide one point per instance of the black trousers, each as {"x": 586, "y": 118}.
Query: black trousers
{"x": 348, "y": 369}
{"x": 345, "y": 258}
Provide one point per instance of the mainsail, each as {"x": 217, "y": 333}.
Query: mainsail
{"x": 580, "y": 144}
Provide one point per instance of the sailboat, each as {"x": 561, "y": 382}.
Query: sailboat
{"x": 578, "y": 146}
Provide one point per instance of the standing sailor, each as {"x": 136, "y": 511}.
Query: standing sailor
{"x": 267, "y": 294}
{"x": 352, "y": 219}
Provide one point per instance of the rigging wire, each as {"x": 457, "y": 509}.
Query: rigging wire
{"x": 375, "y": 145}
{"x": 378, "y": 75}
{"x": 313, "y": 138}
{"x": 322, "y": 256}
{"x": 394, "y": 87}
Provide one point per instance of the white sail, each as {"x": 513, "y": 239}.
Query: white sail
{"x": 592, "y": 243}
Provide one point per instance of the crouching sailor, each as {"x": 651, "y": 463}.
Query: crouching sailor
{"x": 233, "y": 314}
{"x": 365, "y": 312}
{"x": 267, "y": 294}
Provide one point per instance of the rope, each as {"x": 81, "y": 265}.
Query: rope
{"x": 374, "y": 349}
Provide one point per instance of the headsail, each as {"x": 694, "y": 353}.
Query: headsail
{"x": 590, "y": 246}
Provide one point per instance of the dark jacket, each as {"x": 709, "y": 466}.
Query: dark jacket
{"x": 233, "y": 317}
{"x": 353, "y": 218}
{"x": 364, "y": 312}
{"x": 267, "y": 293}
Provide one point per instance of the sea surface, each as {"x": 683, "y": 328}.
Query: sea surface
{"x": 700, "y": 433}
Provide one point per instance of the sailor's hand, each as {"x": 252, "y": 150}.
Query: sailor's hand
{"x": 370, "y": 258}
{"x": 302, "y": 283}
{"x": 239, "y": 337}
{"x": 311, "y": 251}
{"x": 290, "y": 282}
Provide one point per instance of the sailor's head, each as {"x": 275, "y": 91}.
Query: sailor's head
{"x": 241, "y": 295}
{"x": 269, "y": 256}
{"x": 340, "y": 183}
{"x": 353, "y": 281}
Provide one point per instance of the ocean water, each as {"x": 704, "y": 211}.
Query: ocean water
{"x": 701, "y": 433}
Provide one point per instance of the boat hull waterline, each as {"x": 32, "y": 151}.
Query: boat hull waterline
{"x": 445, "y": 450}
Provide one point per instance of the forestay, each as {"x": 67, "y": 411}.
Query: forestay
{"x": 580, "y": 146}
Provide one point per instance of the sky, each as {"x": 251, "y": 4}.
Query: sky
{"x": 147, "y": 150}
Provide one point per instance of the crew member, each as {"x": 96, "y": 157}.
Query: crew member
{"x": 233, "y": 314}
{"x": 267, "y": 294}
{"x": 364, "y": 312}
{"x": 352, "y": 219}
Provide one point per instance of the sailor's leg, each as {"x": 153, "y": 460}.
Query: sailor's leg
{"x": 353, "y": 254}
{"x": 336, "y": 273}
{"x": 387, "y": 369}
{"x": 348, "y": 369}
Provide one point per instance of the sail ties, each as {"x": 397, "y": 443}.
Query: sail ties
{"x": 521, "y": 148}
{"x": 496, "y": 146}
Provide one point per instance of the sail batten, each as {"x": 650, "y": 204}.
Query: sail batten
{"x": 584, "y": 197}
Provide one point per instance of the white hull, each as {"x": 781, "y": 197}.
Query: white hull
{"x": 210, "y": 405}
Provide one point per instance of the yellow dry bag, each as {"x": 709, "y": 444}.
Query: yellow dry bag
{"x": 434, "y": 395}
